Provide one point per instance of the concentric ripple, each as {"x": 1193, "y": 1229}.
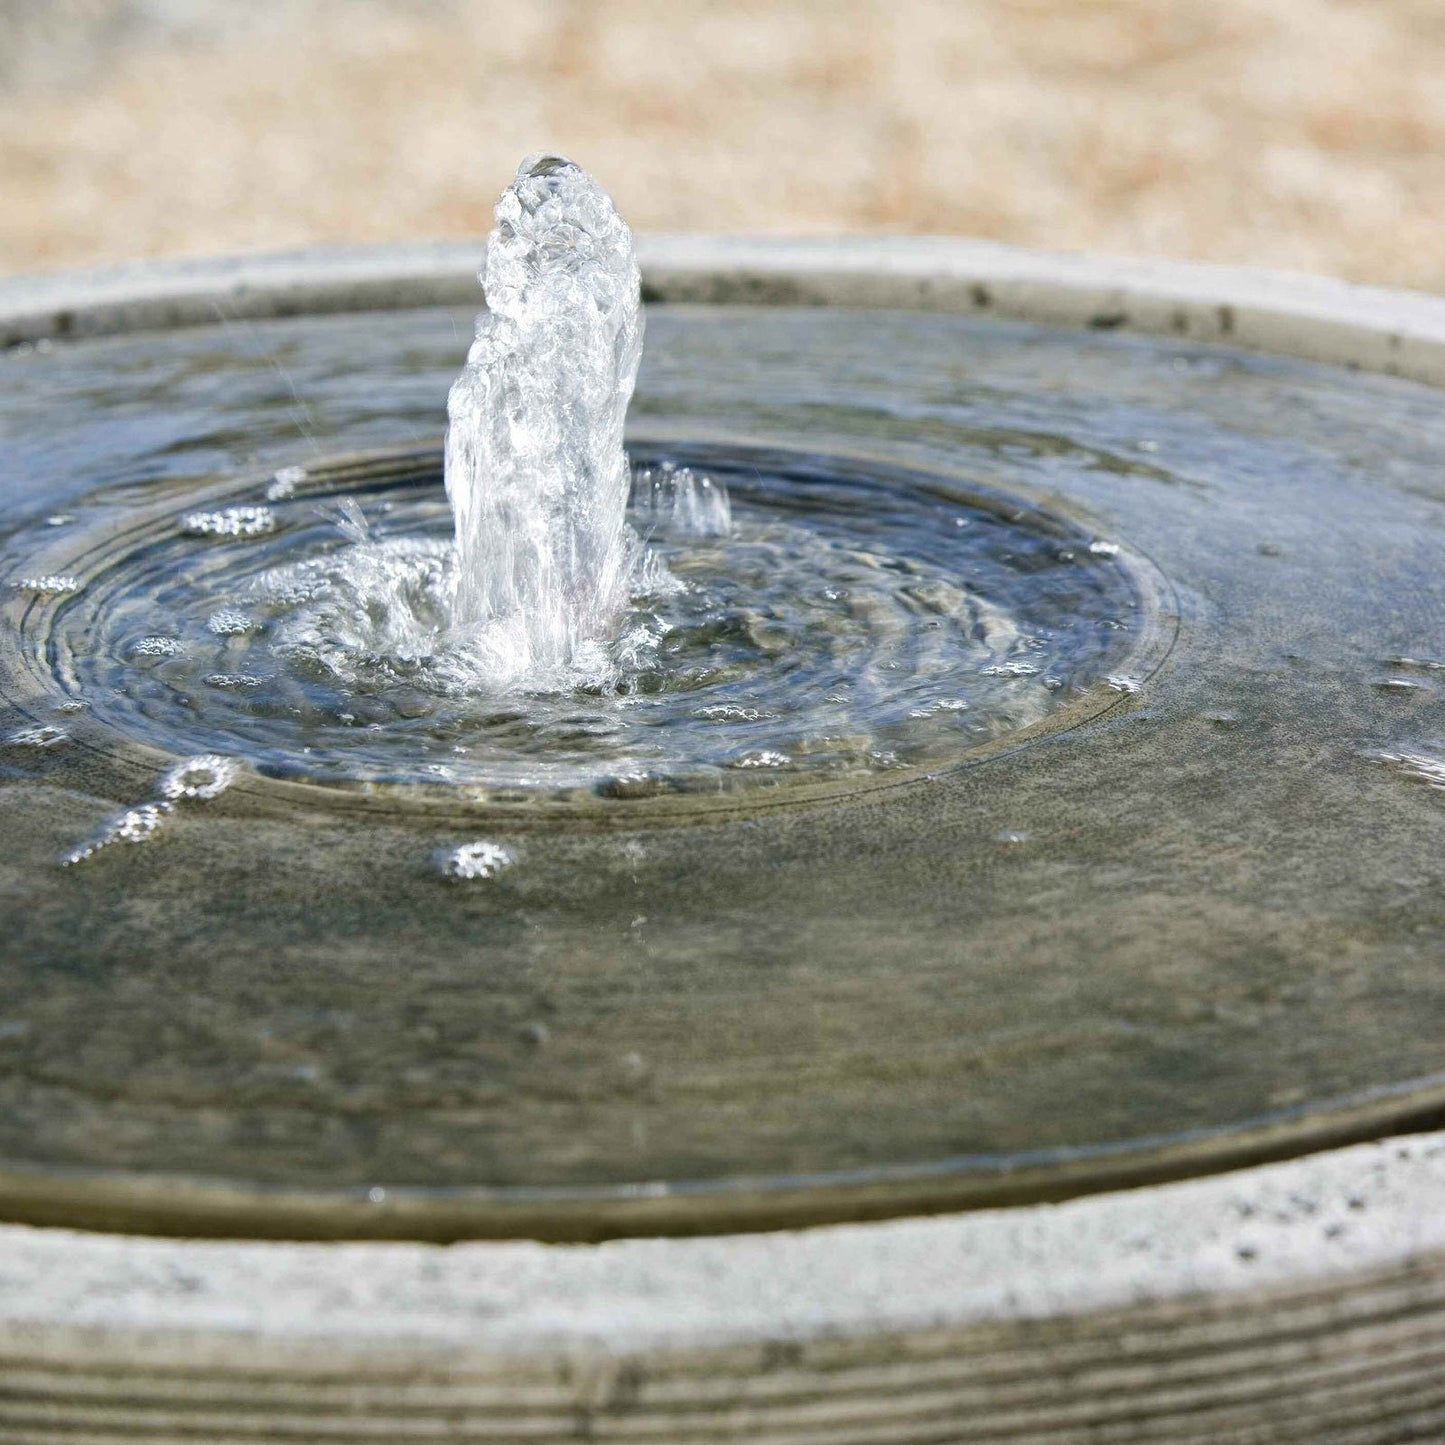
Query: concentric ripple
{"x": 852, "y": 619}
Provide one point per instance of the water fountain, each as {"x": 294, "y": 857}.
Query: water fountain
{"x": 989, "y": 759}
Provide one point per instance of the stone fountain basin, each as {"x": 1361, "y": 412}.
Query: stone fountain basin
{"x": 1283, "y": 1301}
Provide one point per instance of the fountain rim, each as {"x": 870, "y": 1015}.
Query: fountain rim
{"x": 1295, "y": 314}
{"x": 1313, "y": 318}
{"x": 304, "y": 1315}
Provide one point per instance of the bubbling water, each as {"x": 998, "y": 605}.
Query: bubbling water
{"x": 535, "y": 469}
{"x": 823, "y": 619}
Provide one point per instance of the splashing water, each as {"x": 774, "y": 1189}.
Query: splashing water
{"x": 681, "y": 502}
{"x": 535, "y": 469}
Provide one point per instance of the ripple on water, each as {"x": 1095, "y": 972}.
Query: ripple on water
{"x": 797, "y": 616}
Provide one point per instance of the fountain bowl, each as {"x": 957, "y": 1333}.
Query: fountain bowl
{"x": 1289, "y": 1299}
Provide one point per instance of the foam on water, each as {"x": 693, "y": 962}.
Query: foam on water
{"x": 475, "y": 861}
{"x": 133, "y": 825}
{"x": 38, "y": 735}
{"x": 228, "y": 622}
{"x": 51, "y": 584}
{"x": 203, "y": 777}
{"x": 194, "y": 780}
{"x": 230, "y": 522}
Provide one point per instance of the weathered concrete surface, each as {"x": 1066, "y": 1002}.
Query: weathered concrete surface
{"x": 1302, "y": 1301}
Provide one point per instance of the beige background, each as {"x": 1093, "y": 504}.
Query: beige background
{"x": 1296, "y": 133}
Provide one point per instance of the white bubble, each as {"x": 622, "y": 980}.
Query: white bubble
{"x": 233, "y": 680}
{"x": 230, "y": 522}
{"x": 154, "y": 647}
{"x": 203, "y": 777}
{"x": 731, "y": 712}
{"x": 49, "y": 584}
{"x": 480, "y": 859}
{"x": 134, "y": 825}
{"x": 230, "y": 623}
{"x": 40, "y": 735}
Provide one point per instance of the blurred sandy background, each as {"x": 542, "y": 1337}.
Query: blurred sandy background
{"x": 1298, "y": 133}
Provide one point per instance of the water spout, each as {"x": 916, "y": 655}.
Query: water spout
{"x": 535, "y": 469}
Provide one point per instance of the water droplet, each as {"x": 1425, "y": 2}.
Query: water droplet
{"x": 1010, "y": 669}
{"x": 230, "y": 522}
{"x": 283, "y": 485}
{"x": 60, "y": 519}
{"x": 1010, "y": 838}
{"x": 1400, "y": 684}
{"x": 1104, "y": 549}
{"x": 40, "y": 735}
{"x": 376, "y": 1195}
{"x": 476, "y": 860}
{"x": 49, "y": 584}
{"x": 680, "y": 501}
{"x": 203, "y": 777}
